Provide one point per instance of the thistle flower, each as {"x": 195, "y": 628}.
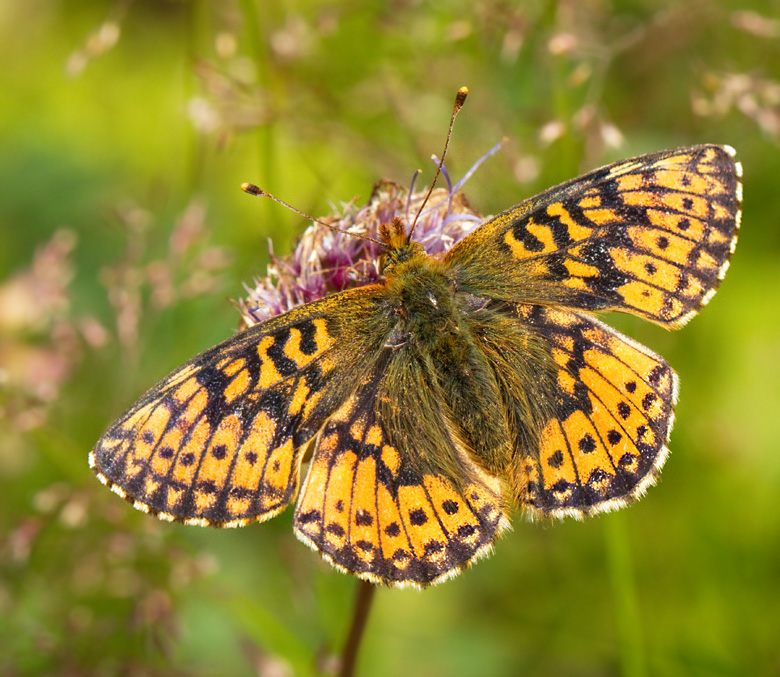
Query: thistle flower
{"x": 326, "y": 261}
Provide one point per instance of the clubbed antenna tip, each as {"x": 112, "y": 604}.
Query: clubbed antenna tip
{"x": 252, "y": 189}
{"x": 460, "y": 99}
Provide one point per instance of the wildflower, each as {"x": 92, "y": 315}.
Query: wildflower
{"x": 337, "y": 256}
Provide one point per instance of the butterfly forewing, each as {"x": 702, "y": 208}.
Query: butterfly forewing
{"x": 650, "y": 236}
{"x": 219, "y": 440}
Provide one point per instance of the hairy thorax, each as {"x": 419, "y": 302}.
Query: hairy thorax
{"x": 423, "y": 301}
{"x": 436, "y": 324}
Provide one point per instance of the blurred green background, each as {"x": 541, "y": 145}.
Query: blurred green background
{"x": 127, "y": 128}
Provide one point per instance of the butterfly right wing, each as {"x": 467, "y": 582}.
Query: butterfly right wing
{"x": 390, "y": 495}
{"x": 650, "y": 235}
{"x": 606, "y": 442}
{"x": 219, "y": 441}
{"x": 600, "y": 439}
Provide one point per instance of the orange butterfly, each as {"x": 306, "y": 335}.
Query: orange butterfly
{"x": 455, "y": 386}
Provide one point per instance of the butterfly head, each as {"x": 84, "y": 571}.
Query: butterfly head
{"x": 398, "y": 247}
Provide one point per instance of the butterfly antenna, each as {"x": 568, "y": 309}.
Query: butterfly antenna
{"x": 460, "y": 99}
{"x": 252, "y": 189}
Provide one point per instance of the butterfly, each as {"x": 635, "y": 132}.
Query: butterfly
{"x": 454, "y": 388}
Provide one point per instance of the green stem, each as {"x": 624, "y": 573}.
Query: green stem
{"x": 627, "y": 616}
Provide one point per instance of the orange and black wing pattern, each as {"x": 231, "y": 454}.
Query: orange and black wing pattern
{"x": 605, "y": 439}
{"x": 378, "y": 502}
{"x": 219, "y": 441}
{"x": 400, "y": 383}
{"x": 650, "y": 236}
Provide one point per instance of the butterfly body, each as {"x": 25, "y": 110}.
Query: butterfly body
{"x": 435, "y": 335}
{"x": 455, "y": 387}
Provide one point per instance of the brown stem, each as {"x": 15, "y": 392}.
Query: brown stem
{"x": 365, "y": 595}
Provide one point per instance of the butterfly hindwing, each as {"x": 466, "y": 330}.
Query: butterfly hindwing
{"x": 375, "y": 507}
{"x": 650, "y": 236}
{"x": 606, "y": 440}
{"x": 219, "y": 440}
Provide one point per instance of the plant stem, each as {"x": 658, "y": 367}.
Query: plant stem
{"x": 627, "y": 615}
{"x": 363, "y": 600}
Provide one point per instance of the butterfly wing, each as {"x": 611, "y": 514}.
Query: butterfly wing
{"x": 219, "y": 440}
{"x": 650, "y": 236}
{"x": 605, "y": 440}
{"x": 390, "y": 495}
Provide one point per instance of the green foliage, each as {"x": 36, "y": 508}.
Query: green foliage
{"x": 127, "y": 132}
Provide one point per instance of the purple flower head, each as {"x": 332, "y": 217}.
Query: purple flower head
{"x": 327, "y": 261}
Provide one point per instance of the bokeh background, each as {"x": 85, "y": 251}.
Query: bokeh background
{"x": 127, "y": 128}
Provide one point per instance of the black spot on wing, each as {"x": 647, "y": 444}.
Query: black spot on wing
{"x": 308, "y": 344}
{"x": 596, "y": 253}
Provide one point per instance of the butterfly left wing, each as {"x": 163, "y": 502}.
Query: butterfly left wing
{"x": 390, "y": 495}
{"x": 219, "y": 441}
{"x": 650, "y": 236}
